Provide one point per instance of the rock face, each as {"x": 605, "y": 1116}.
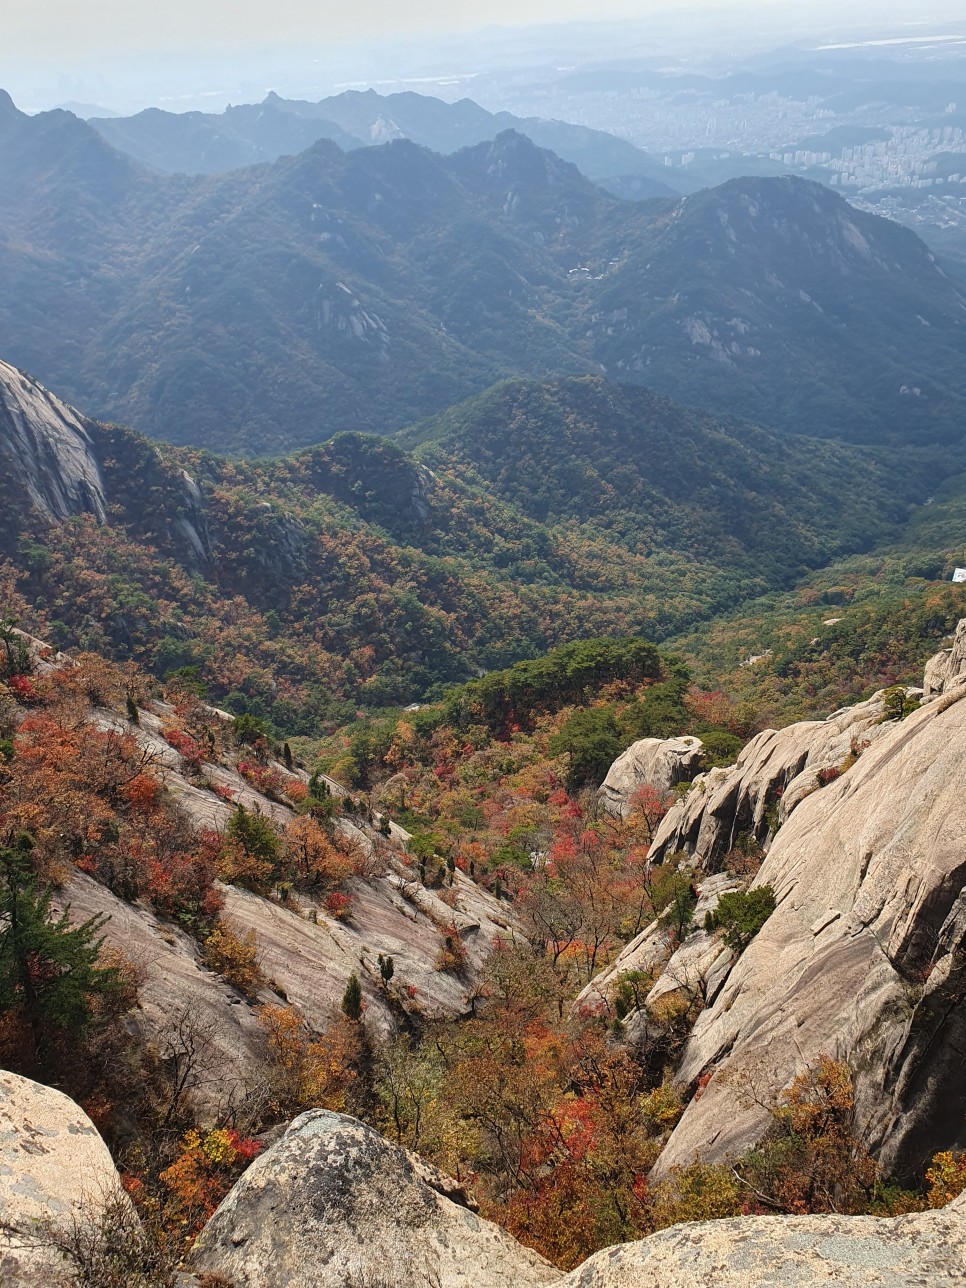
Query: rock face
{"x": 701, "y": 962}
{"x": 776, "y": 770}
{"x": 306, "y": 954}
{"x": 61, "y": 464}
{"x": 905, "y": 1252}
{"x": 53, "y": 1166}
{"x": 948, "y": 668}
{"x": 864, "y": 957}
{"x": 660, "y": 763}
{"x": 46, "y": 448}
{"x": 333, "y": 1205}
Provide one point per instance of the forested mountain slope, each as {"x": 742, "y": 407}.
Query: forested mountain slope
{"x": 273, "y": 306}
{"x": 352, "y": 571}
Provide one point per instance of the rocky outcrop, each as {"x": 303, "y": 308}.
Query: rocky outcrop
{"x": 698, "y": 966}
{"x": 904, "y": 1252}
{"x": 775, "y": 771}
{"x": 660, "y": 763}
{"x": 54, "y": 1168}
{"x": 864, "y": 957}
{"x": 60, "y": 464}
{"x": 948, "y": 668}
{"x": 46, "y": 449}
{"x": 334, "y": 1205}
{"x": 306, "y": 954}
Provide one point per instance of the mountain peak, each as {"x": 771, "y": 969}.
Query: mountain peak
{"x": 513, "y": 157}
{"x": 8, "y": 109}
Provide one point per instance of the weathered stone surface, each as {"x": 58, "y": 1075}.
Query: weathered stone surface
{"x": 53, "y": 458}
{"x": 864, "y": 957}
{"x": 914, "y": 1251}
{"x": 306, "y": 954}
{"x": 46, "y": 448}
{"x": 334, "y": 1205}
{"x": 948, "y": 668}
{"x": 660, "y": 763}
{"x": 775, "y": 771}
{"x": 698, "y": 966}
{"x": 53, "y": 1166}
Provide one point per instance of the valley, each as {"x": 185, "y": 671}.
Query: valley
{"x": 481, "y": 689}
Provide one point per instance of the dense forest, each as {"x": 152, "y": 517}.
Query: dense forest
{"x": 354, "y": 572}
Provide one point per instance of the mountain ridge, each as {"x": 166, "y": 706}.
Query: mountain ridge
{"x": 454, "y": 569}
{"x": 209, "y": 143}
{"x": 268, "y": 308}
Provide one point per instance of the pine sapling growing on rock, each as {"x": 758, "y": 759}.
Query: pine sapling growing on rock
{"x": 352, "y": 998}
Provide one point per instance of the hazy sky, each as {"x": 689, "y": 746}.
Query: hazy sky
{"x": 55, "y": 29}
{"x": 124, "y": 55}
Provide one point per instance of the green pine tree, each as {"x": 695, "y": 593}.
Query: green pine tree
{"x": 48, "y": 967}
{"x": 352, "y": 998}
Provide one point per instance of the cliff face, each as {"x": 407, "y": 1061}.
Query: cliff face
{"x": 61, "y": 464}
{"x": 306, "y": 952}
{"x": 864, "y": 957}
{"x": 47, "y": 450}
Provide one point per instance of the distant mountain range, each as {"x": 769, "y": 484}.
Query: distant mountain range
{"x": 211, "y": 143}
{"x": 270, "y": 307}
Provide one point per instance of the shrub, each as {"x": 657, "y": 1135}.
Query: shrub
{"x": 675, "y": 896}
{"x": 896, "y": 704}
{"x": 632, "y": 988}
{"x": 252, "y": 850}
{"x": 720, "y": 748}
{"x": 204, "y": 1172}
{"x": 112, "y": 1247}
{"x": 181, "y": 887}
{"x": 15, "y": 657}
{"x": 700, "y": 1192}
{"x": 191, "y": 752}
{"x": 741, "y": 916}
{"x": 946, "y": 1176}
{"x": 310, "y": 1070}
{"x": 235, "y": 958}
{"x": 338, "y": 905}
{"x": 249, "y": 729}
{"x": 811, "y": 1159}
{"x": 24, "y": 690}
{"x": 452, "y": 955}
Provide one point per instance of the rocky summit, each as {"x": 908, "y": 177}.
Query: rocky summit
{"x": 333, "y": 1205}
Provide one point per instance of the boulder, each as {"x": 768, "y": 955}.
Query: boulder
{"x": 334, "y": 1205}
{"x": 660, "y": 763}
{"x": 53, "y": 1167}
{"x": 902, "y": 1252}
